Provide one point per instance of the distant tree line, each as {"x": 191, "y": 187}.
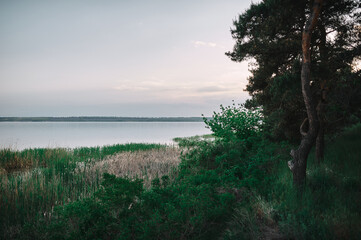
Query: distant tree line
{"x": 101, "y": 119}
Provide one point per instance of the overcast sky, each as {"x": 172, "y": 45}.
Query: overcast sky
{"x": 118, "y": 58}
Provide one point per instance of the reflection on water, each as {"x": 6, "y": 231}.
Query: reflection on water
{"x": 20, "y": 135}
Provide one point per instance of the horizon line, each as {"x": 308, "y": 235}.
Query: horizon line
{"x": 102, "y": 118}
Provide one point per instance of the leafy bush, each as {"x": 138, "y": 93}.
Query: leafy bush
{"x": 235, "y": 123}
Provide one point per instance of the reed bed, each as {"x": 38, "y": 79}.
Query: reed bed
{"x": 34, "y": 181}
{"x": 146, "y": 165}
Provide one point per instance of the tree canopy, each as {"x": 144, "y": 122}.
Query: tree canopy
{"x": 270, "y": 32}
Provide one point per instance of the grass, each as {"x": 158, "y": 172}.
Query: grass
{"x": 333, "y": 195}
{"x": 329, "y": 208}
{"x": 34, "y": 181}
{"x": 194, "y": 138}
{"x": 192, "y": 141}
{"x": 146, "y": 165}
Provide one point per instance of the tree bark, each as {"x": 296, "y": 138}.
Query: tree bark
{"x": 320, "y": 140}
{"x": 321, "y": 106}
{"x": 298, "y": 164}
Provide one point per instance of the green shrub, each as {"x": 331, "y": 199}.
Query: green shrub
{"x": 235, "y": 123}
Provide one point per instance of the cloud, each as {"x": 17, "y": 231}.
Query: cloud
{"x": 210, "y": 89}
{"x": 137, "y": 86}
{"x": 205, "y": 44}
{"x": 174, "y": 92}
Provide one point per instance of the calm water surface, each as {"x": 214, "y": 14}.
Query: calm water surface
{"x": 21, "y": 135}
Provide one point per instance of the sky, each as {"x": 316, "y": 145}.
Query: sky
{"x": 154, "y": 58}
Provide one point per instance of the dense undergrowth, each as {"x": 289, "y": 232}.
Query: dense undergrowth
{"x": 237, "y": 186}
{"x": 33, "y": 181}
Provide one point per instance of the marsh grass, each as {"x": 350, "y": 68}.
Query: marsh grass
{"x": 192, "y": 141}
{"x": 34, "y": 181}
{"x": 146, "y": 165}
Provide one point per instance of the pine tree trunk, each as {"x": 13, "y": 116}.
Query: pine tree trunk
{"x": 320, "y": 140}
{"x": 298, "y": 164}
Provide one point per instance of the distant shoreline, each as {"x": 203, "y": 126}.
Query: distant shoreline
{"x": 101, "y": 119}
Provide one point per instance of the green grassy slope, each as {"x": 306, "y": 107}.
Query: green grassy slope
{"x": 330, "y": 207}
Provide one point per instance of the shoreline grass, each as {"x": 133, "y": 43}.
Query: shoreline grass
{"x": 34, "y": 181}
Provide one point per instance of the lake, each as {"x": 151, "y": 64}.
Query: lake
{"x": 21, "y": 135}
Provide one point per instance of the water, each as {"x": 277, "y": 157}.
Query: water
{"x": 21, "y": 135}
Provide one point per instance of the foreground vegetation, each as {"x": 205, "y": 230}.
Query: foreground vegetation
{"x": 33, "y": 181}
{"x": 237, "y": 186}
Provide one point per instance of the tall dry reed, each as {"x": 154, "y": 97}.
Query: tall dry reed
{"x": 146, "y": 165}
